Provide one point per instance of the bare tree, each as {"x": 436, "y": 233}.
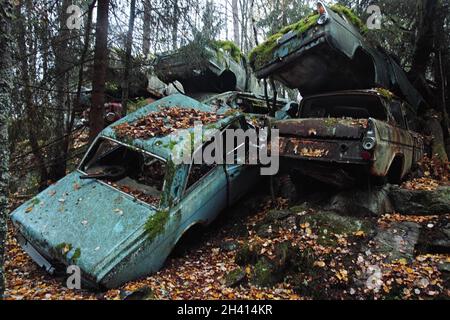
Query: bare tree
{"x": 128, "y": 64}
{"x": 235, "y": 13}
{"x": 146, "y": 24}
{"x": 6, "y": 7}
{"x": 57, "y": 168}
{"x": 96, "y": 115}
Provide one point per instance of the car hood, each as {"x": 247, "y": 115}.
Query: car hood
{"x": 322, "y": 128}
{"x": 82, "y": 222}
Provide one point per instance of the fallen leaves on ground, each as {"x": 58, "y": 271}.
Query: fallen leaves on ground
{"x": 347, "y": 270}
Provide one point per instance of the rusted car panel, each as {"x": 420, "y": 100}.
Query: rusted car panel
{"x": 122, "y": 229}
{"x": 377, "y": 147}
{"x": 335, "y": 56}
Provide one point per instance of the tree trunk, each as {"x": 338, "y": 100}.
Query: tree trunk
{"x": 128, "y": 64}
{"x": 31, "y": 111}
{"x": 57, "y": 168}
{"x": 146, "y": 24}
{"x": 424, "y": 37}
{"x": 5, "y": 103}
{"x": 175, "y": 20}
{"x": 235, "y": 12}
{"x": 96, "y": 115}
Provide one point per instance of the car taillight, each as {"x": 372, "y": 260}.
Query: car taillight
{"x": 323, "y": 18}
{"x": 366, "y": 155}
{"x": 369, "y": 141}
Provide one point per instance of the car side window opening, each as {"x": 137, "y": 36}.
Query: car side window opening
{"x": 397, "y": 113}
{"x": 129, "y": 170}
{"x": 349, "y": 106}
{"x": 198, "y": 171}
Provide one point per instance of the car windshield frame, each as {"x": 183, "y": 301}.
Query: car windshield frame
{"x": 96, "y": 141}
{"x": 306, "y": 103}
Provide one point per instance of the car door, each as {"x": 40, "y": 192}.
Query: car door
{"x": 205, "y": 194}
{"x": 240, "y": 176}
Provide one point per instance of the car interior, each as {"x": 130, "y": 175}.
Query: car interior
{"x": 133, "y": 172}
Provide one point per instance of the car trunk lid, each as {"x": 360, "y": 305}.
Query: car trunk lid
{"x": 328, "y": 128}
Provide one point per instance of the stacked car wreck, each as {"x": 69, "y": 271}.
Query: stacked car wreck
{"x": 344, "y": 130}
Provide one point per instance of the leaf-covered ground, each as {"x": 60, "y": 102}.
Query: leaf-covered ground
{"x": 343, "y": 267}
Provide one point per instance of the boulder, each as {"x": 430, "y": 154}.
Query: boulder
{"x": 327, "y": 225}
{"x": 435, "y": 239}
{"x": 235, "y": 277}
{"x": 420, "y": 202}
{"x": 374, "y": 202}
{"x": 144, "y": 293}
{"x": 398, "y": 241}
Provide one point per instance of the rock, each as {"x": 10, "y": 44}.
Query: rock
{"x": 235, "y": 277}
{"x": 327, "y": 224}
{"x": 144, "y": 293}
{"x": 273, "y": 220}
{"x": 276, "y": 215}
{"x": 246, "y": 255}
{"x": 418, "y": 202}
{"x": 375, "y": 202}
{"x": 398, "y": 241}
{"x": 228, "y": 246}
{"x": 444, "y": 267}
{"x": 264, "y": 273}
{"x": 437, "y": 239}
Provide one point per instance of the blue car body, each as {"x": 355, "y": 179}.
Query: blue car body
{"x": 112, "y": 236}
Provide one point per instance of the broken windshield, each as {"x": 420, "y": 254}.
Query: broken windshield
{"x": 134, "y": 172}
{"x": 344, "y": 106}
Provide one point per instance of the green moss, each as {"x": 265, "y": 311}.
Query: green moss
{"x": 171, "y": 145}
{"x": 63, "y": 250}
{"x": 170, "y": 174}
{"x": 351, "y": 17}
{"x": 229, "y": 47}
{"x": 234, "y": 277}
{"x": 329, "y": 224}
{"x": 156, "y": 224}
{"x": 263, "y": 54}
{"x": 330, "y": 122}
{"x": 263, "y": 273}
{"x": 76, "y": 255}
{"x": 385, "y": 93}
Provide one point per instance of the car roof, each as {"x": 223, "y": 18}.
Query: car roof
{"x": 160, "y": 146}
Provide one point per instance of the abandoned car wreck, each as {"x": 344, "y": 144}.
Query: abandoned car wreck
{"x": 339, "y": 138}
{"x": 126, "y": 206}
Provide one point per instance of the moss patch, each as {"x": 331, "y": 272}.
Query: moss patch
{"x": 263, "y": 53}
{"x": 229, "y": 47}
{"x": 351, "y": 17}
{"x": 385, "y": 93}
{"x": 327, "y": 225}
{"x": 156, "y": 224}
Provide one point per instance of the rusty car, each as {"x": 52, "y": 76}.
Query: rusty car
{"x": 121, "y": 212}
{"x": 329, "y": 51}
{"x": 341, "y": 137}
